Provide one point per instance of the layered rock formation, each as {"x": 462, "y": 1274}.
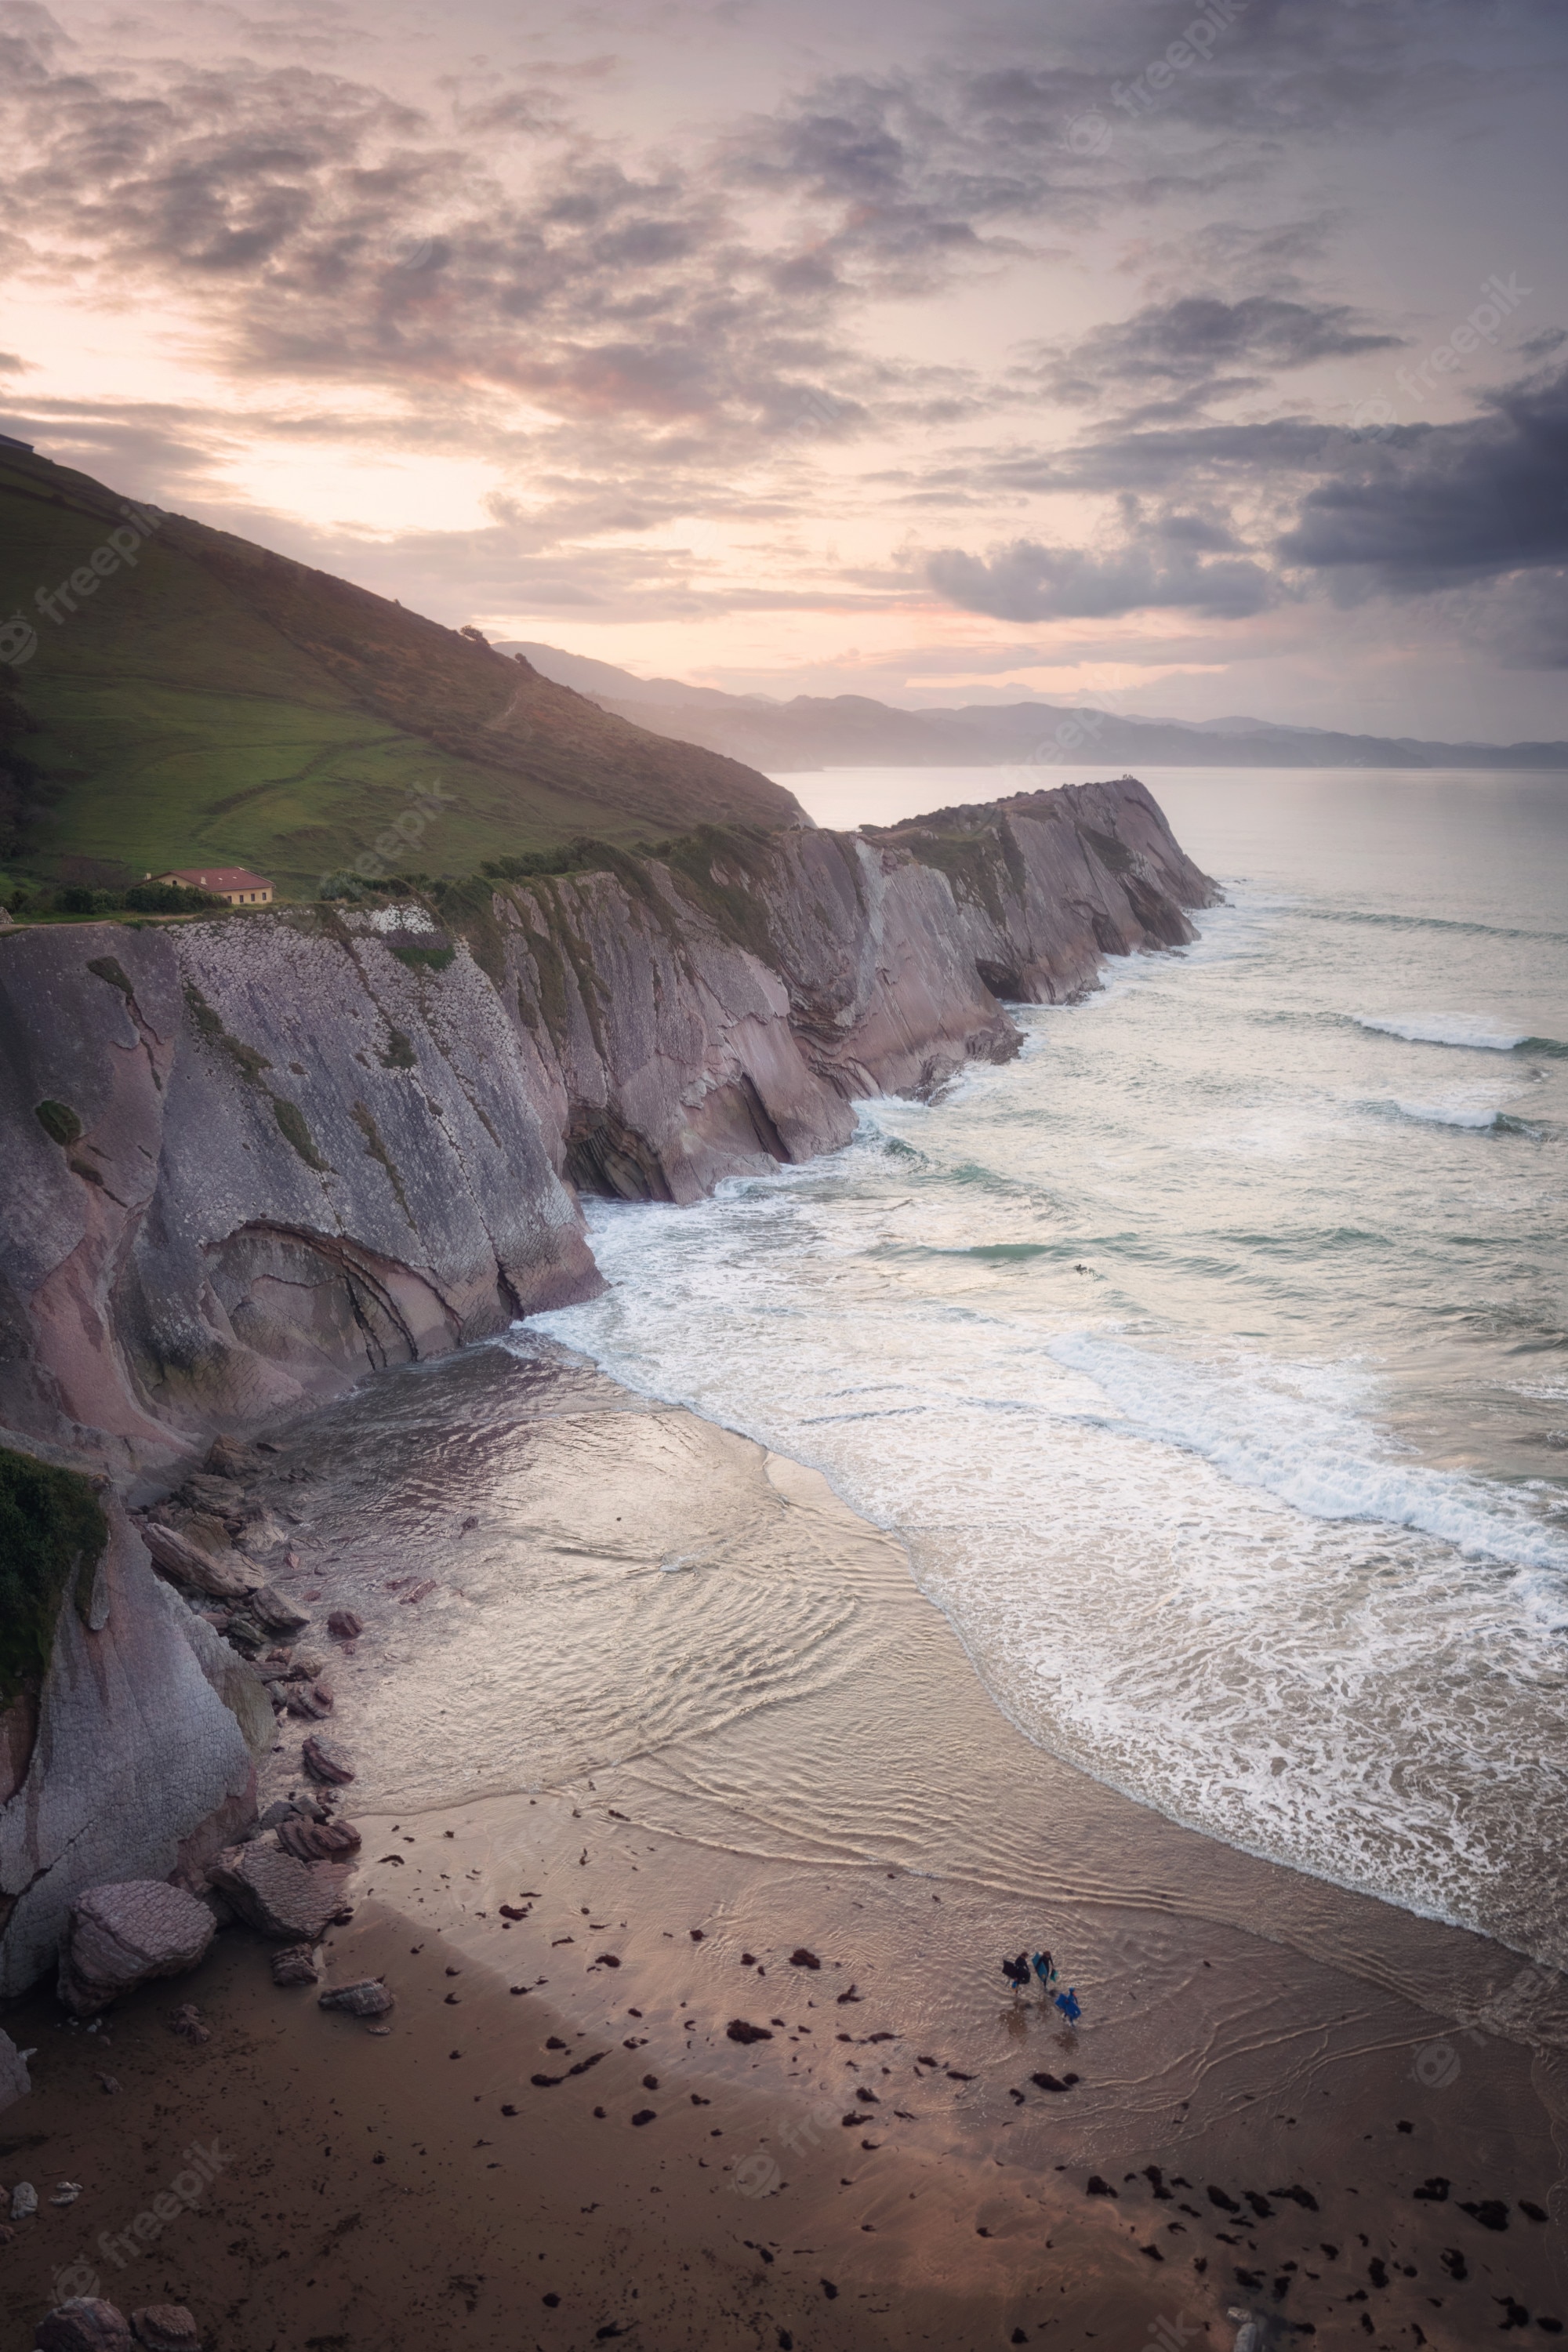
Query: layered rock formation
{"x": 252, "y": 1159}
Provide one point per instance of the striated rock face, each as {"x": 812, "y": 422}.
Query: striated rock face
{"x": 251, "y": 1160}
{"x": 136, "y": 1762}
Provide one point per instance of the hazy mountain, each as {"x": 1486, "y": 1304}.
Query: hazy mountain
{"x": 847, "y": 731}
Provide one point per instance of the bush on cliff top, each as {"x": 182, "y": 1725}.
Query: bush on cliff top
{"x": 52, "y": 1530}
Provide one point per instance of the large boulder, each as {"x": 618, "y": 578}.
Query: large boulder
{"x": 15, "y": 2081}
{"x": 118, "y": 1936}
{"x": 278, "y": 1894}
{"x": 140, "y": 1763}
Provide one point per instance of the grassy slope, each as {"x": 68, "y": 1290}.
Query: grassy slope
{"x": 222, "y": 704}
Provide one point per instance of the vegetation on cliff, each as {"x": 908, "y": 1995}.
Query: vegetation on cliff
{"x": 52, "y": 1534}
{"x": 216, "y": 701}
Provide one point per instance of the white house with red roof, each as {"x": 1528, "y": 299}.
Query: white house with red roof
{"x": 230, "y": 882}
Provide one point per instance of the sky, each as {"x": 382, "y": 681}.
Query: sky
{"x": 1184, "y": 362}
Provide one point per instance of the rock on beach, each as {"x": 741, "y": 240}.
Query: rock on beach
{"x": 118, "y": 1937}
{"x": 327, "y": 1760}
{"x": 85, "y": 2324}
{"x": 280, "y": 1895}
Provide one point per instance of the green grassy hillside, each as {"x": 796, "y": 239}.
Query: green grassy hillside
{"x": 215, "y": 704}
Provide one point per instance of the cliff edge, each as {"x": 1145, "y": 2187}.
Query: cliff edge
{"x": 253, "y": 1157}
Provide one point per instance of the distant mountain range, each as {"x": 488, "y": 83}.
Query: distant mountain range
{"x": 851, "y": 730}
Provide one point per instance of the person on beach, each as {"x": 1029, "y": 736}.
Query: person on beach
{"x": 1069, "y": 2005}
{"x": 1044, "y": 1970}
{"x": 1017, "y": 1973}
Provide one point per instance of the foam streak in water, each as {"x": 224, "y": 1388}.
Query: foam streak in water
{"x": 1477, "y": 1031}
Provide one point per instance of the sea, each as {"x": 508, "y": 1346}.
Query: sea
{"x": 1209, "y": 1361}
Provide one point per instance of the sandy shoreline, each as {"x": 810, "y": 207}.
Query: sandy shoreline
{"x": 780, "y": 1746}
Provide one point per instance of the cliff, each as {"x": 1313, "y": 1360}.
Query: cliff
{"x": 251, "y": 1158}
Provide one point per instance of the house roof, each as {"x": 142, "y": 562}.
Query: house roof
{"x": 215, "y": 877}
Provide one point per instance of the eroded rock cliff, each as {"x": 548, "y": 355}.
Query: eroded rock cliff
{"x": 248, "y": 1159}
{"x": 252, "y": 1157}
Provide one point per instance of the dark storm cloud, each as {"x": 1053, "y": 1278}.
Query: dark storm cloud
{"x": 1187, "y": 345}
{"x": 1403, "y": 511}
{"x": 1183, "y": 561}
{"x": 1440, "y": 505}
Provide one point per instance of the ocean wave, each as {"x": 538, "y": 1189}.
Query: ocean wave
{"x": 1481, "y": 1120}
{"x": 1476, "y": 1030}
{"x": 1388, "y": 920}
{"x": 1293, "y": 1430}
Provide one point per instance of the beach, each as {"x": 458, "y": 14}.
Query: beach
{"x": 707, "y": 1722}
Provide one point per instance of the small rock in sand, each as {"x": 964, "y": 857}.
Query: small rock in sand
{"x": 166, "y": 2327}
{"x": 270, "y": 1609}
{"x": 740, "y": 2030}
{"x": 65, "y": 2192}
{"x": 83, "y": 2324}
{"x": 187, "y": 2022}
{"x": 343, "y": 1625}
{"x": 801, "y": 1958}
{"x": 327, "y": 1760}
{"x": 227, "y": 1458}
{"x": 318, "y": 1841}
{"x": 24, "y": 2201}
{"x": 295, "y": 1965}
{"x": 311, "y": 1700}
{"x": 369, "y": 1997}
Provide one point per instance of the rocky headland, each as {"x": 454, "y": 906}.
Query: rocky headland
{"x": 251, "y": 1159}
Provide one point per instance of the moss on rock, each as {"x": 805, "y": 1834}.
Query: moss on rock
{"x": 52, "y": 1534}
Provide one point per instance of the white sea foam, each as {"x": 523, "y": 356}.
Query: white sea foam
{"x": 1296, "y": 1431}
{"x": 1471, "y": 1115}
{"x": 1118, "y": 1338}
{"x": 1479, "y": 1030}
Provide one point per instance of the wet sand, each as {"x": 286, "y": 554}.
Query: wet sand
{"x": 666, "y": 1684}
